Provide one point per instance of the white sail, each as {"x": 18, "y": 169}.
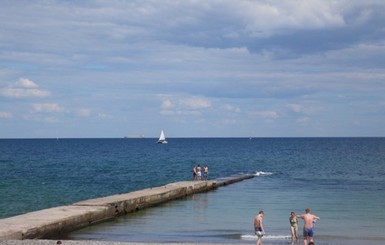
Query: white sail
{"x": 162, "y": 138}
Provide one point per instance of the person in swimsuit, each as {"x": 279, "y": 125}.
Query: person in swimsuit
{"x": 195, "y": 173}
{"x": 293, "y": 227}
{"x": 308, "y": 223}
{"x": 199, "y": 172}
{"x": 258, "y": 227}
{"x": 205, "y": 172}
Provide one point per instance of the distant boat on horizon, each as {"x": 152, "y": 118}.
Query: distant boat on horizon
{"x": 134, "y": 136}
{"x": 162, "y": 138}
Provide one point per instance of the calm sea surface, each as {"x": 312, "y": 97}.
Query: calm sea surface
{"x": 341, "y": 179}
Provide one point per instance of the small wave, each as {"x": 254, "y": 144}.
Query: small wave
{"x": 261, "y": 173}
{"x": 267, "y": 237}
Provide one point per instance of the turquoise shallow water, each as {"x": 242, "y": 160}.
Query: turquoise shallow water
{"x": 226, "y": 216}
{"x": 341, "y": 179}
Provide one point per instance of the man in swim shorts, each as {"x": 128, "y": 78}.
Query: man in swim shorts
{"x": 205, "y": 172}
{"x": 308, "y": 221}
{"x": 258, "y": 227}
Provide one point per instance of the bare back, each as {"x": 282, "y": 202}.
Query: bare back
{"x": 308, "y": 220}
{"x": 258, "y": 221}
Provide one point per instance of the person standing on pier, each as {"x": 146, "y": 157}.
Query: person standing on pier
{"x": 205, "y": 172}
{"x": 258, "y": 227}
{"x": 199, "y": 172}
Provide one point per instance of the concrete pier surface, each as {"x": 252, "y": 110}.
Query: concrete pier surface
{"x": 52, "y": 222}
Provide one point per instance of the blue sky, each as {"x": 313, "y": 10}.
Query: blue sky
{"x": 231, "y": 68}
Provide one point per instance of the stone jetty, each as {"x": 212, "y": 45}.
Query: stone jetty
{"x": 52, "y": 222}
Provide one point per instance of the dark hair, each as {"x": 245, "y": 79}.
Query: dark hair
{"x": 261, "y": 212}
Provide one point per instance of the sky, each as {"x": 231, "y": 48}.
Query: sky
{"x": 193, "y": 68}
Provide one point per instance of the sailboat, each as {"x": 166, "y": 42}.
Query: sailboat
{"x": 162, "y": 138}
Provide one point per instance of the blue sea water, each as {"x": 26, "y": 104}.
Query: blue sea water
{"x": 341, "y": 179}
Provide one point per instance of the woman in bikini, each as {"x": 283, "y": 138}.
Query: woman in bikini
{"x": 293, "y": 227}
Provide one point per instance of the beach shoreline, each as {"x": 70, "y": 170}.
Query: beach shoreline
{"x": 93, "y": 242}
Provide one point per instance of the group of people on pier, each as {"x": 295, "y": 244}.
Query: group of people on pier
{"x": 197, "y": 172}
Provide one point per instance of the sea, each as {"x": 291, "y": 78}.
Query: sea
{"x": 342, "y": 180}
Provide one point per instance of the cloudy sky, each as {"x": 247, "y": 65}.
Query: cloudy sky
{"x": 195, "y": 68}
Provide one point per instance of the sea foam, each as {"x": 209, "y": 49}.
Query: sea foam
{"x": 261, "y": 173}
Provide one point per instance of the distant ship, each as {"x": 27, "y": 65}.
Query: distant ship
{"x": 139, "y": 136}
{"x": 162, "y": 138}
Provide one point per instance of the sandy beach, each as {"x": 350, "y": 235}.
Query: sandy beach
{"x": 84, "y": 242}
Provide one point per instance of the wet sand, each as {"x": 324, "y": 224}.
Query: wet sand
{"x": 85, "y": 242}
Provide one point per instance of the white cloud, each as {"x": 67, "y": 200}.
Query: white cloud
{"x": 20, "y": 93}
{"x": 210, "y": 60}
{"x": 23, "y": 88}
{"x": 265, "y": 114}
{"x": 231, "y": 108}
{"x": 6, "y": 115}
{"x": 167, "y": 104}
{"x": 84, "y": 112}
{"x": 180, "y": 113}
{"x": 184, "y": 106}
{"x": 40, "y": 118}
{"x": 47, "y": 107}
{"x": 26, "y": 83}
{"x": 196, "y": 103}
{"x": 103, "y": 115}
{"x": 266, "y": 19}
{"x": 295, "y": 107}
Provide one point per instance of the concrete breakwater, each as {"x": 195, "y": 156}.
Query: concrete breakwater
{"x": 52, "y": 222}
